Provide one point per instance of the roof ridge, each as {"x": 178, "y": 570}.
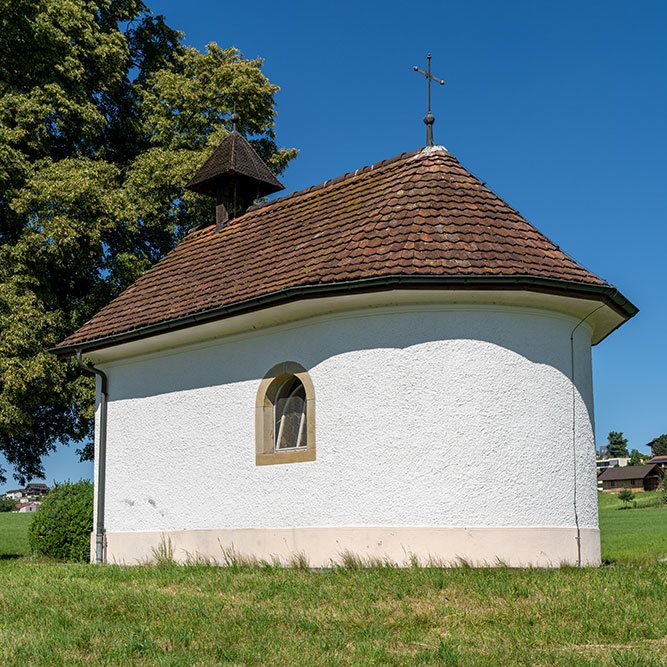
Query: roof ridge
{"x": 343, "y": 177}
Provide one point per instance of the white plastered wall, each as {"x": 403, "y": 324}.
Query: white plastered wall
{"x": 428, "y": 416}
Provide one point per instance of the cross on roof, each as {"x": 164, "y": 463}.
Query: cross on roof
{"x": 429, "y": 118}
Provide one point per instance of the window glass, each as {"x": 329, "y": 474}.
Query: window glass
{"x": 290, "y": 415}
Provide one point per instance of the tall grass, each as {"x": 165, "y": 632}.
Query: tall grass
{"x": 259, "y": 614}
{"x": 358, "y": 612}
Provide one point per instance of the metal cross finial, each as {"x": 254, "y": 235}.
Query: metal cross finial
{"x": 429, "y": 118}
{"x": 234, "y": 118}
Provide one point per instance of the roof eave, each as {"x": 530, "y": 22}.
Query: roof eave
{"x": 207, "y": 186}
{"x": 609, "y": 295}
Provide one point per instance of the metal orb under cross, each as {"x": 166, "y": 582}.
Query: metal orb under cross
{"x": 429, "y": 118}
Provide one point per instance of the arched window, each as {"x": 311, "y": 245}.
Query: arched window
{"x": 285, "y": 416}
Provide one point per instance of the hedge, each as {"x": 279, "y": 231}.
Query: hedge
{"x": 61, "y": 527}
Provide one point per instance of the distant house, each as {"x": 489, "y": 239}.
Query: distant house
{"x": 603, "y": 464}
{"x": 635, "y": 478}
{"x": 34, "y": 490}
{"x": 27, "y": 507}
{"x": 659, "y": 461}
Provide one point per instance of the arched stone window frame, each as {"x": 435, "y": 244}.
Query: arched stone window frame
{"x": 265, "y": 453}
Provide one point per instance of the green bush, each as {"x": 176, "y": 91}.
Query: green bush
{"x": 7, "y": 505}
{"x": 626, "y": 496}
{"x": 61, "y": 527}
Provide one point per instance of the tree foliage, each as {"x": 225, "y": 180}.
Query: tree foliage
{"x": 7, "y": 505}
{"x": 617, "y": 445}
{"x": 104, "y": 116}
{"x": 635, "y": 458}
{"x": 659, "y": 445}
{"x": 626, "y": 496}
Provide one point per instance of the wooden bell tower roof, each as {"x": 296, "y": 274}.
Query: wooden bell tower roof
{"x": 234, "y": 159}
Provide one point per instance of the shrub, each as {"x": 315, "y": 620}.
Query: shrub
{"x": 61, "y": 527}
{"x": 7, "y": 505}
{"x": 626, "y": 496}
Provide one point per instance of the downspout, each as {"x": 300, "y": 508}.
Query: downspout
{"x": 574, "y": 432}
{"x": 101, "y": 456}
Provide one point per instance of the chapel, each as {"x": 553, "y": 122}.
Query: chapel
{"x": 393, "y": 364}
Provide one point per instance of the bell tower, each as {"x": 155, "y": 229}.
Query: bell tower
{"x": 235, "y": 175}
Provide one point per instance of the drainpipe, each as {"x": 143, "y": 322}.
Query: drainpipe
{"x": 574, "y": 432}
{"x": 101, "y": 456}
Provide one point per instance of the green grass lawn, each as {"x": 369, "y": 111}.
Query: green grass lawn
{"x": 13, "y": 534}
{"x": 53, "y": 614}
{"x": 609, "y": 501}
{"x": 637, "y": 535}
{"x": 201, "y": 615}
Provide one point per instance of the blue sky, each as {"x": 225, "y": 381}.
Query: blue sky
{"x": 560, "y": 107}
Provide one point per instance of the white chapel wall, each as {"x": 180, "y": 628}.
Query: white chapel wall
{"x": 429, "y": 416}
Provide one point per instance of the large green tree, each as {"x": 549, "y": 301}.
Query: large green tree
{"x": 659, "y": 445}
{"x": 617, "y": 445}
{"x": 635, "y": 458}
{"x": 104, "y": 116}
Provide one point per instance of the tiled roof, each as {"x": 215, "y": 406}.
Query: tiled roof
{"x": 419, "y": 214}
{"x": 627, "y": 472}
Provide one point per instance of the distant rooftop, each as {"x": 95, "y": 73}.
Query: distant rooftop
{"x": 627, "y": 472}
